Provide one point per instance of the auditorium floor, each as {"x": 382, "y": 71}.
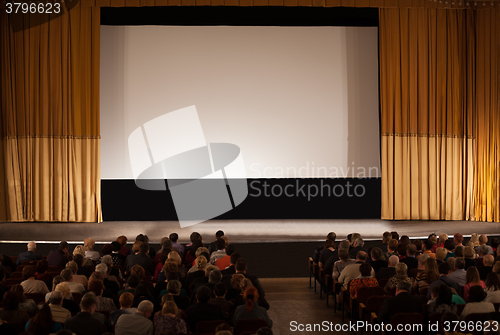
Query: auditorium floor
{"x": 291, "y": 299}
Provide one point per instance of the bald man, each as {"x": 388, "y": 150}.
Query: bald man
{"x": 29, "y": 255}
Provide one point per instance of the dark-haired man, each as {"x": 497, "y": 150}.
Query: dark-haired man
{"x": 403, "y": 302}
{"x": 220, "y": 299}
{"x": 411, "y": 259}
{"x": 377, "y": 263}
{"x": 59, "y": 257}
{"x": 174, "y": 237}
{"x": 137, "y": 323}
{"x": 203, "y": 311}
{"x": 213, "y": 245}
{"x": 444, "y": 279}
{"x": 229, "y": 271}
{"x": 84, "y": 323}
{"x": 141, "y": 258}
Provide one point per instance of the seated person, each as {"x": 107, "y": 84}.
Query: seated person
{"x": 365, "y": 279}
{"x": 251, "y": 309}
{"x": 30, "y": 283}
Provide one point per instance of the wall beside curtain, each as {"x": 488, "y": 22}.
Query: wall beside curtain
{"x": 439, "y": 104}
{"x": 49, "y": 134}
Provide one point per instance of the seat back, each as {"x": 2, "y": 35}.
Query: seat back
{"x": 411, "y": 323}
{"x": 12, "y": 281}
{"x": 374, "y": 303}
{"x": 32, "y": 263}
{"x": 382, "y": 282}
{"x": 249, "y": 325}
{"x": 366, "y": 292}
{"x": 16, "y": 275}
{"x": 55, "y": 268}
{"x": 477, "y": 318}
{"x": 77, "y": 297}
{"x": 208, "y": 326}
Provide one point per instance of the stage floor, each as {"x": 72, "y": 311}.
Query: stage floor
{"x": 238, "y": 231}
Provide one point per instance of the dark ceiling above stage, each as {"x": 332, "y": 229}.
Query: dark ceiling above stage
{"x": 240, "y": 16}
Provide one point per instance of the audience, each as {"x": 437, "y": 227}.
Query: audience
{"x": 126, "y": 300}
{"x": 167, "y": 320}
{"x": 365, "y": 279}
{"x": 89, "y": 244}
{"x": 30, "y": 284}
{"x": 459, "y": 275}
{"x": 43, "y": 323}
{"x": 29, "y": 255}
{"x": 59, "y": 257}
{"x": 352, "y": 271}
{"x": 403, "y": 302}
{"x": 251, "y": 309}
{"x": 84, "y": 323}
{"x": 26, "y": 305}
{"x": 67, "y": 274}
{"x": 59, "y": 313}
{"x": 493, "y": 288}
{"x": 137, "y": 323}
{"x": 401, "y": 274}
{"x": 339, "y": 265}
{"x": 472, "y": 279}
{"x": 476, "y": 302}
{"x": 202, "y": 310}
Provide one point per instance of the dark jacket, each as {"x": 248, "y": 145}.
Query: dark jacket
{"x": 402, "y": 303}
{"x": 84, "y": 324}
{"x": 411, "y": 263}
{"x": 28, "y": 256}
{"x": 203, "y": 312}
{"x": 140, "y": 259}
{"x": 57, "y": 258}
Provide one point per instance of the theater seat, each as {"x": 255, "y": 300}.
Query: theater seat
{"x": 249, "y": 325}
{"x": 208, "y": 327}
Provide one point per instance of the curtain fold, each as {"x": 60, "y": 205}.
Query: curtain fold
{"x": 439, "y": 114}
{"x": 49, "y": 137}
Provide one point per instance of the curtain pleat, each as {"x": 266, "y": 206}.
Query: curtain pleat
{"x": 439, "y": 114}
{"x": 49, "y": 89}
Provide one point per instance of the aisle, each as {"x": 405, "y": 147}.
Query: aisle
{"x": 291, "y": 299}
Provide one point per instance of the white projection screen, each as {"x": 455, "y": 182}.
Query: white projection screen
{"x": 300, "y": 102}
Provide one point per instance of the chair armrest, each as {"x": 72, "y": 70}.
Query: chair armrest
{"x": 361, "y": 310}
{"x": 373, "y": 318}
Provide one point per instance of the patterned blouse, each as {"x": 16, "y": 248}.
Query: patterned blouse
{"x": 339, "y": 265}
{"x": 105, "y": 304}
{"x": 170, "y": 322}
{"x": 394, "y": 281}
{"x": 360, "y": 282}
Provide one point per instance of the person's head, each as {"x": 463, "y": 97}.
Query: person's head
{"x": 107, "y": 249}
{"x": 220, "y": 290}
{"x": 88, "y": 303}
{"x": 393, "y": 261}
{"x": 365, "y": 269}
{"x": 41, "y": 266}
{"x": 459, "y": 263}
{"x": 236, "y": 281}
{"x": 126, "y": 300}
{"x": 230, "y": 250}
{"x": 174, "y": 287}
{"x": 344, "y": 245}
{"x": 392, "y": 245}
{"x": 331, "y": 236}
{"x": 474, "y": 238}
{"x": 361, "y": 256}
{"x": 469, "y": 252}
{"x": 67, "y": 274}
{"x": 441, "y": 254}
{"x": 354, "y": 237}
{"x": 19, "y": 290}
{"x": 136, "y": 246}
{"x": 89, "y": 243}
{"x": 57, "y": 280}
{"x": 495, "y": 242}
{"x": 31, "y": 246}
{"x": 386, "y": 237}
{"x": 203, "y": 294}
{"x": 200, "y": 263}
{"x": 459, "y": 251}
{"x": 404, "y": 240}
{"x": 493, "y": 281}
{"x": 169, "y": 308}
{"x": 328, "y": 244}
{"x": 116, "y": 246}
{"x": 174, "y": 237}
{"x": 488, "y": 260}
{"x": 63, "y": 245}
{"x": 215, "y": 276}
{"x": 224, "y": 329}
{"x": 476, "y": 293}
{"x": 241, "y": 265}
{"x": 449, "y": 244}
{"x": 458, "y": 238}
{"x": 10, "y": 301}
{"x": 483, "y": 239}
{"x": 122, "y": 240}
{"x": 451, "y": 263}
{"x": 56, "y": 298}
{"x": 79, "y": 250}
{"x": 395, "y": 235}
{"x": 72, "y": 266}
{"x": 96, "y": 286}
{"x": 79, "y": 260}
{"x": 422, "y": 260}
{"x": 375, "y": 253}
{"x": 250, "y": 295}
{"x": 142, "y": 291}
{"x": 64, "y": 289}
{"x": 145, "y": 308}
{"x": 138, "y": 270}
{"x": 403, "y": 286}
{"x": 175, "y": 257}
{"x": 133, "y": 281}
{"x": 431, "y": 270}
{"x": 443, "y": 238}
{"x": 444, "y": 268}
{"x": 234, "y": 257}
{"x": 401, "y": 270}
{"x": 472, "y": 275}
{"x": 483, "y": 250}
{"x": 202, "y": 250}
{"x": 496, "y": 267}
{"x": 108, "y": 260}
{"x": 195, "y": 236}
{"x": 401, "y": 249}
{"x": 28, "y": 272}
{"x": 411, "y": 249}
{"x": 433, "y": 238}
{"x": 444, "y": 295}
{"x": 359, "y": 242}
{"x": 169, "y": 267}
{"x": 344, "y": 255}
{"x": 418, "y": 243}
{"x": 427, "y": 245}
{"x": 144, "y": 248}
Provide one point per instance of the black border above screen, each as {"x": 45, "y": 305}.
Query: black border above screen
{"x": 239, "y": 16}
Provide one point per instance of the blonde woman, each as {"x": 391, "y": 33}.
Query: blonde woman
{"x": 90, "y": 253}
{"x": 80, "y": 250}
{"x": 200, "y": 264}
{"x": 401, "y": 275}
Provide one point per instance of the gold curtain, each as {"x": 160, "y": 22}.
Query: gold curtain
{"x": 439, "y": 104}
{"x": 49, "y": 90}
